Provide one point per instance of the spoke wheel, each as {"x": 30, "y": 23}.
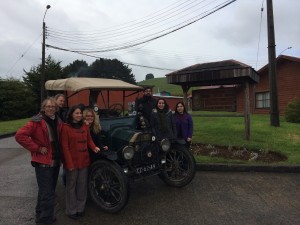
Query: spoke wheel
{"x": 180, "y": 167}
{"x": 108, "y": 186}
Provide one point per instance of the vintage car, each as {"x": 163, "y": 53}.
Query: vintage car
{"x": 133, "y": 154}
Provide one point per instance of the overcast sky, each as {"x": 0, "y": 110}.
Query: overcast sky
{"x": 232, "y": 32}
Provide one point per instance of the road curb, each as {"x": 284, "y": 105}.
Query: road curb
{"x": 7, "y": 135}
{"x": 247, "y": 168}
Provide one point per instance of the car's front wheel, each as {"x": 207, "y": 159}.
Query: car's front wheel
{"x": 180, "y": 167}
{"x": 108, "y": 186}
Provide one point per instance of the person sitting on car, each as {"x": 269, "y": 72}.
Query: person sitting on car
{"x": 144, "y": 106}
{"x": 162, "y": 121}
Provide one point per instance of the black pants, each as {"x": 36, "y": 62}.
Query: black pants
{"x": 46, "y": 179}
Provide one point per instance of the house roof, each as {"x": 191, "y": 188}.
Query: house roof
{"x": 214, "y": 73}
{"x": 280, "y": 59}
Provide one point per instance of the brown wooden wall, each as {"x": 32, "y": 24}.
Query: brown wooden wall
{"x": 217, "y": 99}
{"x": 288, "y": 83}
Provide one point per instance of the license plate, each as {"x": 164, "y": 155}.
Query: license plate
{"x": 147, "y": 168}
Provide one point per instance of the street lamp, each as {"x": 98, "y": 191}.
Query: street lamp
{"x": 42, "y": 80}
{"x": 284, "y": 50}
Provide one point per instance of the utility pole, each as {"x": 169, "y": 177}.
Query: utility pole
{"x": 274, "y": 111}
{"x": 42, "y": 78}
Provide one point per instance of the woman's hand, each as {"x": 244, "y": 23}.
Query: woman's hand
{"x": 189, "y": 139}
{"x": 105, "y": 148}
{"x": 96, "y": 150}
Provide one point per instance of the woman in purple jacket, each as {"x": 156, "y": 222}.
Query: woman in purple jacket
{"x": 184, "y": 123}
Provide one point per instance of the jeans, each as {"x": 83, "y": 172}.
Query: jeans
{"x": 46, "y": 179}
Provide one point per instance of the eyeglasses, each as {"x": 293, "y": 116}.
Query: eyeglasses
{"x": 50, "y": 106}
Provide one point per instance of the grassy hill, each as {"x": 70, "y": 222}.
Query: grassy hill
{"x": 160, "y": 84}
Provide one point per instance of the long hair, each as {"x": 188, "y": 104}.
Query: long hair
{"x": 70, "y": 112}
{"x": 96, "y": 127}
{"x": 184, "y": 109}
{"x": 166, "y": 108}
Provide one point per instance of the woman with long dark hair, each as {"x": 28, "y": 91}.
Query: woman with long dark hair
{"x": 184, "y": 123}
{"x": 162, "y": 121}
{"x": 76, "y": 140}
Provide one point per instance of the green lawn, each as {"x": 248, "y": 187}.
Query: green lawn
{"x": 11, "y": 126}
{"x": 229, "y": 131}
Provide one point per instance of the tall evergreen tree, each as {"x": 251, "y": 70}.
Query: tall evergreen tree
{"x": 53, "y": 71}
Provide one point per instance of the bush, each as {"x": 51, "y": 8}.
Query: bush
{"x": 292, "y": 112}
{"x": 16, "y": 100}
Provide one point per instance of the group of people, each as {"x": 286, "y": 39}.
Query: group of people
{"x": 162, "y": 121}
{"x": 54, "y": 136}
{"x": 73, "y": 137}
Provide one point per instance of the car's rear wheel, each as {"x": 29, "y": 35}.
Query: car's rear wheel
{"x": 108, "y": 186}
{"x": 180, "y": 167}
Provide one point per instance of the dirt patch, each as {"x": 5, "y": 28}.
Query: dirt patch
{"x": 231, "y": 152}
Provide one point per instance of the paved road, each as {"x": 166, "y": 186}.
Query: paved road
{"x": 212, "y": 198}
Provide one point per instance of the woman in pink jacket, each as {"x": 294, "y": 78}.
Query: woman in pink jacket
{"x": 40, "y": 136}
{"x": 76, "y": 140}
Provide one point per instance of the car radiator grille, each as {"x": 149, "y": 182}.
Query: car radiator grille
{"x": 148, "y": 153}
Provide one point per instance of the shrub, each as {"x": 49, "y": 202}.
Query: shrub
{"x": 16, "y": 100}
{"x": 292, "y": 112}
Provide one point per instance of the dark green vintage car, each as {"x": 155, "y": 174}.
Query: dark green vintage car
{"x": 134, "y": 154}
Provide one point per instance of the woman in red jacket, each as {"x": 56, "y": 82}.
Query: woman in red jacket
{"x": 76, "y": 140}
{"x": 40, "y": 136}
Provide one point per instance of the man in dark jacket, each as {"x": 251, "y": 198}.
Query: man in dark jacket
{"x": 60, "y": 102}
{"x": 144, "y": 106}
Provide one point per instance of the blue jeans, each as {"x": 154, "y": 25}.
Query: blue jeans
{"x": 46, "y": 179}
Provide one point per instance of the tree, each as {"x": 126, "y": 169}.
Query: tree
{"x": 53, "y": 71}
{"x": 114, "y": 69}
{"x": 149, "y": 76}
{"x": 16, "y": 100}
{"x": 78, "y": 68}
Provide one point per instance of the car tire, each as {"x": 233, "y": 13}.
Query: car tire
{"x": 180, "y": 167}
{"x": 108, "y": 186}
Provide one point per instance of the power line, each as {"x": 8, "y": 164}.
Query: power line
{"x": 24, "y": 53}
{"x": 146, "y": 39}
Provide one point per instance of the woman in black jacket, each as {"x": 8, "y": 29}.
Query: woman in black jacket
{"x": 162, "y": 121}
{"x": 92, "y": 119}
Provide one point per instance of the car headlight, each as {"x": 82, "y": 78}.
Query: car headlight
{"x": 128, "y": 152}
{"x": 165, "y": 145}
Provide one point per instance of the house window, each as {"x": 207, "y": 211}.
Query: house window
{"x": 262, "y": 100}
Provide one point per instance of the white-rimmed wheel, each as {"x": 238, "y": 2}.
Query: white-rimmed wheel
{"x": 180, "y": 167}
{"x": 108, "y": 186}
